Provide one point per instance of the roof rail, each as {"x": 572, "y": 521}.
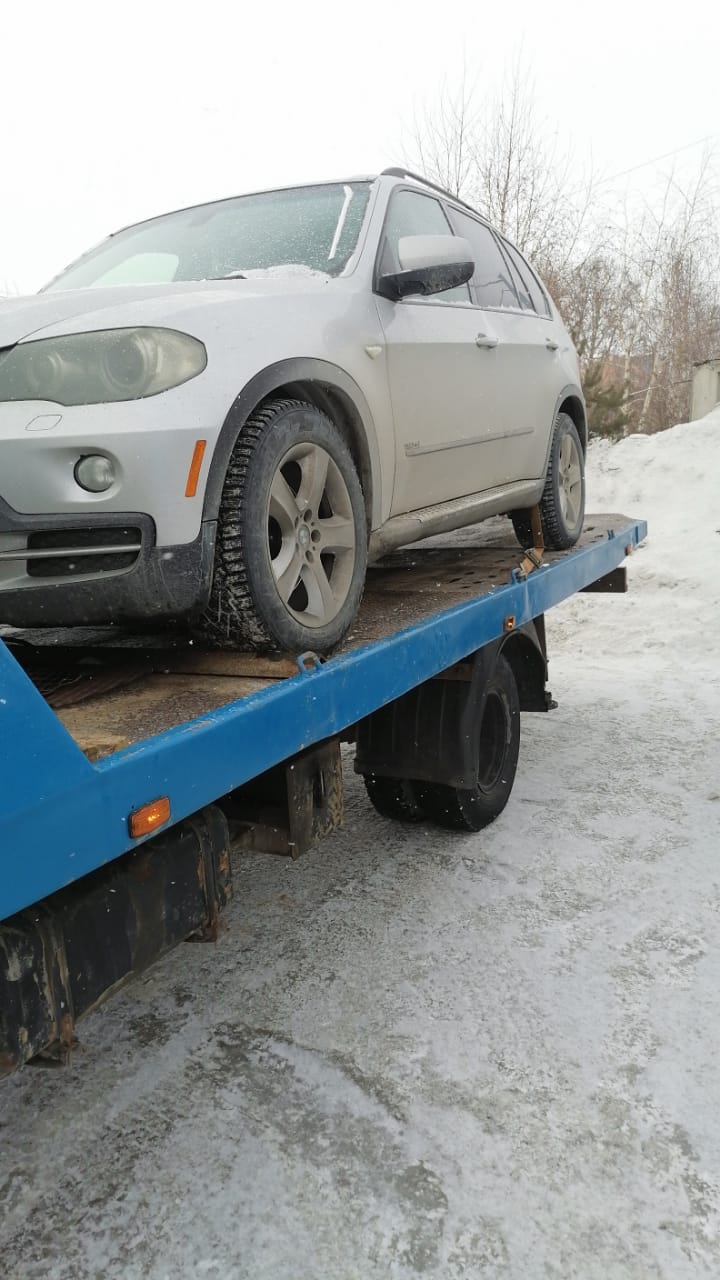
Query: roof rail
{"x": 400, "y": 172}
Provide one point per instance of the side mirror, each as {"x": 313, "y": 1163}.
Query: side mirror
{"x": 429, "y": 264}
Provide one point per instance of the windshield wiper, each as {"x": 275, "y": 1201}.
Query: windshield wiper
{"x": 232, "y": 275}
{"x": 340, "y": 222}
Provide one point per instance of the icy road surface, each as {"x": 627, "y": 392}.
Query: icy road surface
{"x": 414, "y": 1054}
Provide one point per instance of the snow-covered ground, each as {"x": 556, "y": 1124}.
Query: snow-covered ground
{"x": 414, "y": 1054}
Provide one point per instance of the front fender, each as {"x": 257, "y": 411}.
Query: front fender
{"x": 282, "y": 374}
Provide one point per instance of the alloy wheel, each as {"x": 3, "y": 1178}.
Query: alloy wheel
{"x": 570, "y": 481}
{"x": 311, "y": 535}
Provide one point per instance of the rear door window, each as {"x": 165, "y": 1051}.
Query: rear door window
{"x": 492, "y": 282}
{"x": 531, "y": 293}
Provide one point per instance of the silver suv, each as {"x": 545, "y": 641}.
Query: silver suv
{"x": 218, "y": 415}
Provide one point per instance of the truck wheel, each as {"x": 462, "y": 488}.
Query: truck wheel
{"x": 291, "y": 548}
{"x": 473, "y": 809}
{"x": 394, "y": 798}
{"x": 562, "y": 505}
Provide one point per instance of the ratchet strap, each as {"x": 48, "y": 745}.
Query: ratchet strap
{"x": 533, "y": 558}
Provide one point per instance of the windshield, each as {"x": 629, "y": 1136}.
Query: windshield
{"x": 304, "y": 229}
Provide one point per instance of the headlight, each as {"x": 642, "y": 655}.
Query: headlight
{"x": 95, "y": 368}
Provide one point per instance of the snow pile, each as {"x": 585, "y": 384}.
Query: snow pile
{"x": 296, "y": 270}
{"x": 672, "y": 479}
{"x": 671, "y": 614}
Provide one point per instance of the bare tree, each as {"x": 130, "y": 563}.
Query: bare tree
{"x": 494, "y": 153}
{"x": 443, "y": 140}
{"x": 640, "y": 290}
{"x": 677, "y": 257}
{"x": 598, "y": 298}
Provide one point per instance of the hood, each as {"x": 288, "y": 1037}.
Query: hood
{"x": 79, "y": 310}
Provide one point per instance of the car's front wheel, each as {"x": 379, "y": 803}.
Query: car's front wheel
{"x": 291, "y": 549}
{"x": 562, "y": 505}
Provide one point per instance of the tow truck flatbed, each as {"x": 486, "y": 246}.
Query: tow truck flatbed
{"x": 99, "y": 725}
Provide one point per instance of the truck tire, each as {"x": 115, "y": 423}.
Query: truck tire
{"x": 291, "y": 550}
{"x": 499, "y": 729}
{"x": 394, "y": 798}
{"x": 562, "y": 505}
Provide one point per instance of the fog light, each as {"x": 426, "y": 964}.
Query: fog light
{"x": 95, "y": 473}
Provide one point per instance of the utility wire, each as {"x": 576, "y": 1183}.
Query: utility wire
{"x": 655, "y": 159}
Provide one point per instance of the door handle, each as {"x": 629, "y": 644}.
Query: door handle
{"x": 484, "y": 340}
{"x": 551, "y": 345}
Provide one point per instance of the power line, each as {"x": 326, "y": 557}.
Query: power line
{"x": 655, "y": 159}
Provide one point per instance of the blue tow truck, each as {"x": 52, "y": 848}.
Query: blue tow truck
{"x": 132, "y": 767}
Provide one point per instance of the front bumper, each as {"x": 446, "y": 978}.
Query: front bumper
{"x": 99, "y": 568}
{"x": 150, "y": 442}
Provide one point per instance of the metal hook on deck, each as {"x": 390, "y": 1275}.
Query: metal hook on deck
{"x": 309, "y": 662}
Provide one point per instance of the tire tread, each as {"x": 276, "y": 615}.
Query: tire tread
{"x": 231, "y": 619}
{"x": 553, "y": 527}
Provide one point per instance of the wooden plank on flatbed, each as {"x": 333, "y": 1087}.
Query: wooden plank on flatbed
{"x": 148, "y": 706}
{"x": 171, "y": 678}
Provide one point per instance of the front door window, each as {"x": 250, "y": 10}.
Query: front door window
{"x": 413, "y": 214}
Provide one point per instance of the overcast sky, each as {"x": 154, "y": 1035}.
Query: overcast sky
{"x": 111, "y": 113}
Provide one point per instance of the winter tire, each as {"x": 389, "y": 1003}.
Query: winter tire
{"x": 562, "y": 505}
{"x": 291, "y": 550}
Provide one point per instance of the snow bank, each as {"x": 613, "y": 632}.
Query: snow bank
{"x": 672, "y": 480}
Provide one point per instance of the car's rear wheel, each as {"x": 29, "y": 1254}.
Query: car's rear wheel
{"x": 562, "y": 505}
{"x": 291, "y": 548}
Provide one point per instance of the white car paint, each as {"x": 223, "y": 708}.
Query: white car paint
{"x": 445, "y": 418}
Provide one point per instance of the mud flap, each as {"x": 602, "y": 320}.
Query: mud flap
{"x": 63, "y": 956}
{"x": 290, "y": 808}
